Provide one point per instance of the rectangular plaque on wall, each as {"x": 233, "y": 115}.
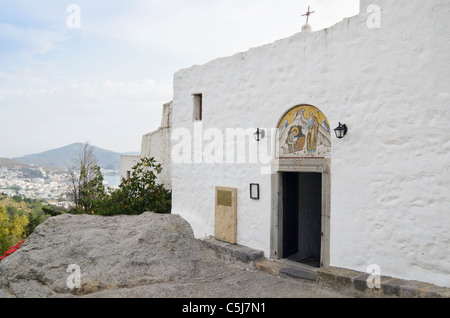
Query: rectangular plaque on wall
{"x": 226, "y": 215}
{"x": 224, "y": 198}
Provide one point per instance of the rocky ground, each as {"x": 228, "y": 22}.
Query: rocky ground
{"x": 149, "y": 255}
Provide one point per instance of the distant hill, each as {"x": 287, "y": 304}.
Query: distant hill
{"x": 27, "y": 170}
{"x": 11, "y": 164}
{"x": 61, "y": 157}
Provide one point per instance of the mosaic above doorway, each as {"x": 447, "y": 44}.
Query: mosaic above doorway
{"x": 304, "y": 132}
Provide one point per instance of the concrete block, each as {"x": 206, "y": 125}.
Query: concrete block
{"x": 298, "y": 273}
{"x": 435, "y": 292}
{"x": 410, "y": 289}
{"x": 245, "y": 254}
{"x": 267, "y": 266}
{"x": 392, "y": 287}
{"x": 360, "y": 282}
{"x": 337, "y": 277}
{"x": 360, "y": 285}
{"x": 233, "y": 251}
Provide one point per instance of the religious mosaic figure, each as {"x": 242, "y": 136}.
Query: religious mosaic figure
{"x": 304, "y": 132}
{"x": 283, "y": 127}
{"x": 313, "y": 129}
{"x": 296, "y": 139}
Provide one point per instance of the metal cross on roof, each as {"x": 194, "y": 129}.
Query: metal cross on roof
{"x": 307, "y": 14}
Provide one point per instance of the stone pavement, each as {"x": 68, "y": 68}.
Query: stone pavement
{"x": 352, "y": 283}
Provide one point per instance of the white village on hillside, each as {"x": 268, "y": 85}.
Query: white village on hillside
{"x": 51, "y": 186}
{"x": 48, "y": 186}
{"x": 325, "y": 148}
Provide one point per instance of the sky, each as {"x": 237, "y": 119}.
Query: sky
{"x": 99, "y": 71}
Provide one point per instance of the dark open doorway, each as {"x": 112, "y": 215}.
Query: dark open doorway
{"x": 302, "y": 217}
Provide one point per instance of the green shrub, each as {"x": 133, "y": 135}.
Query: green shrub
{"x": 52, "y": 211}
{"x": 34, "y": 219}
{"x": 139, "y": 194}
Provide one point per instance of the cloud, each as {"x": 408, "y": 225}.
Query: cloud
{"x": 20, "y": 41}
{"x": 142, "y": 88}
{"x": 98, "y": 94}
{"x": 107, "y": 81}
{"x": 207, "y": 29}
{"x": 110, "y": 114}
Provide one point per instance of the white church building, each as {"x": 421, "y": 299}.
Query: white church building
{"x": 256, "y": 159}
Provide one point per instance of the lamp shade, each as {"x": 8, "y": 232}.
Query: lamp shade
{"x": 259, "y": 134}
{"x": 341, "y": 131}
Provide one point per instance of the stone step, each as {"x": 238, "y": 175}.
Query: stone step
{"x": 233, "y": 251}
{"x": 299, "y": 273}
{"x": 344, "y": 280}
{"x": 355, "y": 283}
{"x": 287, "y": 268}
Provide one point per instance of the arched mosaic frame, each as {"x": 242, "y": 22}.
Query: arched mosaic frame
{"x": 303, "y": 132}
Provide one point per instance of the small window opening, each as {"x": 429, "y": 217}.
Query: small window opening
{"x": 198, "y": 107}
{"x": 128, "y": 177}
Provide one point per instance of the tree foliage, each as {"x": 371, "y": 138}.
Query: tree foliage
{"x": 33, "y": 209}
{"x": 141, "y": 193}
{"x": 35, "y": 218}
{"x": 12, "y": 229}
{"x": 86, "y": 181}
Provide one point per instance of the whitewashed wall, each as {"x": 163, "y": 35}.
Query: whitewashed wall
{"x": 156, "y": 144}
{"x": 127, "y": 162}
{"x": 390, "y": 175}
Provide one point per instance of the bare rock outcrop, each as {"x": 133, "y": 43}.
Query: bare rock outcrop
{"x": 120, "y": 252}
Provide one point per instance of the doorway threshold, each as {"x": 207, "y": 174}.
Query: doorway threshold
{"x": 298, "y": 270}
{"x": 310, "y": 261}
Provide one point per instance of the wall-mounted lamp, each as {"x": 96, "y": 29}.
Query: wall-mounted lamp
{"x": 341, "y": 131}
{"x": 254, "y": 191}
{"x": 259, "y": 134}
